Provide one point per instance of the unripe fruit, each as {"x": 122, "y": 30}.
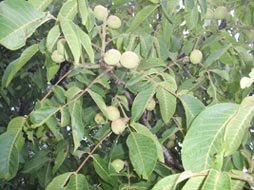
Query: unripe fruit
{"x": 99, "y": 119}
{"x": 57, "y": 57}
{"x": 220, "y": 13}
{"x": 114, "y": 22}
{"x": 170, "y": 144}
{"x": 129, "y": 60}
{"x": 113, "y": 113}
{"x": 118, "y": 165}
{"x": 151, "y": 105}
{"x": 250, "y": 35}
{"x": 172, "y": 137}
{"x": 60, "y": 46}
{"x": 245, "y": 82}
{"x": 100, "y": 12}
{"x": 112, "y": 57}
{"x": 118, "y": 126}
{"x": 196, "y": 56}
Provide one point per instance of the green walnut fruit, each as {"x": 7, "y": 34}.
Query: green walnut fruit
{"x": 220, "y": 13}
{"x": 250, "y": 35}
{"x": 114, "y": 22}
{"x": 118, "y": 126}
{"x": 113, "y": 113}
{"x": 196, "y": 56}
{"x": 118, "y": 165}
{"x": 60, "y": 46}
{"x": 151, "y": 105}
{"x": 172, "y": 137}
{"x": 112, "y": 57}
{"x": 99, "y": 119}
{"x": 170, "y": 144}
{"x": 57, "y": 57}
{"x": 129, "y": 60}
{"x": 100, "y": 12}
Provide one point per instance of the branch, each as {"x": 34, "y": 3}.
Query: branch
{"x": 90, "y": 154}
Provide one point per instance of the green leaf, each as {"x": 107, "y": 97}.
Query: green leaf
{"x": 101, "y": 169}
{"x": 237, "y": 126}
{"x": 22, "y": 20}
{"x": 194, "y": 183}
{"x": 42, "y": 115}
{"x": 167, "y": 104}
{"x": 62, "y": 152}
{"x": 140, "y": 102}
{"x": 45, "y": 175}
{"x": 77, "y": 182}
{"x": 192, "y": 18}
{"x": 217, "y": 181}
{"x": 192, "y": 107}
{"x": 40, "y": 4}
{"x": 52, "y": 37}
{"x": 65, "y": 116}
{"x": 52, "y": 68}
{"x": 222, "y": 73}
{"x": 141, "y": 16}
{"x": 167, "y": 183}
{"x": 59, "y": 182}
{"x": 72, "y": 38}
{"x": 68, "y": 11}
{"x": 38, "y": 161}
{"x": 10, "y": 145}
{"x": 16, "y": 65}
{"x": 141, "y": 129}
{"x": 83, "y": 10}
{"x": 237, "y": 184}
{"x": 76, "y": 123}
{"x": 203, "y": 144}
{"x": 99, "y": 101}
{"x": 54, "y": 128}
{"x": 86, "y": 43}
{"x": 215, "y": 55}
{"x": 142, "y": 153}
{"x": 59, "y": 93}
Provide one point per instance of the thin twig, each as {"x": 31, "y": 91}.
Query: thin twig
{"x": 49, "y": 92}
{"x": 90, "y": 154}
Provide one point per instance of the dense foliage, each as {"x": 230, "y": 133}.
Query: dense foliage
{"x": 126, "y": 94}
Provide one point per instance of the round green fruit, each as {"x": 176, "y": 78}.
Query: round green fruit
{"x": 112, "y": 57}
{"x": 170, "y": 144}
{"x": 99, "y": 119}
{"x": 57, "y": 57}
{"x": 220, "y": 13}
{"x": 60, "y": 46}
{"x": 118, "y": 165}
{"x": 118, "y": 126}
{"x": 151, "y": 105}
{"x": 114, "y": 22}
{"x": 250, "y": 35}
{"x": 129, "y": 60}
{"x": 113, "y": 113}
{"x": 100, "y": 12}
{"x": 196, "y": 56}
